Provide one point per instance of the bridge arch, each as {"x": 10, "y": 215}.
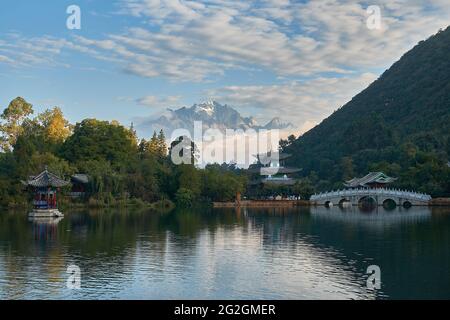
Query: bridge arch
{"x": 407, "y": 204}
{"x": 389, "y": 204}
{"x": 367, "y": 202}
{"x": 328, "y": 203}
{"x": 344, "y": 202}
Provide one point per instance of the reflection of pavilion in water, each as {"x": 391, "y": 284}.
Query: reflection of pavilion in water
{"x": 45, "y": 228}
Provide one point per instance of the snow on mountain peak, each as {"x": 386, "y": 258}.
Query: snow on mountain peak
{"x": 213, "y": 115}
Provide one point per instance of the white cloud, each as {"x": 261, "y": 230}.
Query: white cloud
{"x": 326, "y": 42}
{"x": 200, "y": 40}
{"x": 5, "y": 59}
{"x": 20, "y": 51}
{"x": 307, "y": 102}
{"x": 290, "y": 39}
{"x": 158, "y": 102}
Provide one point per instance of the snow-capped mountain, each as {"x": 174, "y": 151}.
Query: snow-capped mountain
{"x": 212, "y": 115}
{"x": 277, "y": 123}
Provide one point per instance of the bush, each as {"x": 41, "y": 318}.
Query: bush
{"x": 184, "y": 197}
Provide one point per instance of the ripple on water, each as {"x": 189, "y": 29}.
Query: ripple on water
{"x": 224, "y": 255}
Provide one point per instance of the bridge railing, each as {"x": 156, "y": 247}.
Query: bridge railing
{"x": 368, "y": 192}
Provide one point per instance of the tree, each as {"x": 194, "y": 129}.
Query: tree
{"x": 221, "y": 185}
{"x": 162, "y": 146}
{"x": 103, "y": 179}
{"x": 143, "y": 147}
{"x": 58, "y": 166}
{"x": 304, "y": 188}
{"x": 291, "y": 139}
{"x": 153, "y": 146}
{"x": 189, "y": 178}
{"x": 100, "y": 140}
{"x": 185, "y": 197}
{"x": 13, "y": 116}
{"x": 347, "y": 168}
{"x": 56, "y": 128}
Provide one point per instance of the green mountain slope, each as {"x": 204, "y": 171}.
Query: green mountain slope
{"x": 400, "y": 124}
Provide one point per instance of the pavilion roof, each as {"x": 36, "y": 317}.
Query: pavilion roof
{"x": 46, "y": 179}
{"x": 372, "y": 177}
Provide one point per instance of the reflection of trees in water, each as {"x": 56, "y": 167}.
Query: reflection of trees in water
{"x": 103, "y": 243}
{"x": 406, "y": 243}
{"x": 409, "y": 245}
{"x": 29, "y": 256}
{"x": 286, "y": 232}
{"x": 278, "y": 225}
{"x": 109, "y": 244}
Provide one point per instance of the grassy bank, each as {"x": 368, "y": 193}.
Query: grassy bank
{"x": 92, "y": 203}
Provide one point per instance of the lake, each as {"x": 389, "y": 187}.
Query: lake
{"x": 292, "y": 253}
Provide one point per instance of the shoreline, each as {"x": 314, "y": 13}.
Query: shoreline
{"x": 437, "y": 202}
{"x": 263, "y": 204}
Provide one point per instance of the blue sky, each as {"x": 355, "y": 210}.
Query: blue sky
{"x": 133, "y": 58}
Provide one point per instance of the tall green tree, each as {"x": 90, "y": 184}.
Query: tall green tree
{"x": 12, "y": 118}
{"x": 162, "y": 145}
{"x": 100, "y": 140}
{"x": 153, "y": 144}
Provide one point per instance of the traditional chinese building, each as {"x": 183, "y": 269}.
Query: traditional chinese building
{"x": 80, "y": 184}
{"x": 271, "y": 178}
{"x": 373, "y": 180}
{"x": 45, "y": 187}
{"x": 272, "y": 167}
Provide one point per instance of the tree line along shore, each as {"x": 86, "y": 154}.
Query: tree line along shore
{"x": 126, "y": 171}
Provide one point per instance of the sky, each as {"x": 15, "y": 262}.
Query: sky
{"x": 132, "y": 59}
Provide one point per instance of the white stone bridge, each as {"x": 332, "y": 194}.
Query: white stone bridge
{"x": 380, "y": 196}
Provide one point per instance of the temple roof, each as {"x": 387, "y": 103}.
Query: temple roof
{"x": 80, "y": 178}
{"x": 280, "y": 181}
{"x": 265, "y": 171}
{"x": 285, "y": 182}
{"x": 46, "y": 179}
{"x": 372, "y": 177}
{"x": 265, "y": 158}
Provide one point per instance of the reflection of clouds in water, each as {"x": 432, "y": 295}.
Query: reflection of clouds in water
{"x": 239, "y": 263}
{"x": 302, "y": 266}
{"x": 294, "y": 253}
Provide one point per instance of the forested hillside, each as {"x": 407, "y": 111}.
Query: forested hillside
{"x": 400, "y": 124}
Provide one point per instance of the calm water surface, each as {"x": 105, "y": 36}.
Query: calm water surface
{"x": 299, "y": 253}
